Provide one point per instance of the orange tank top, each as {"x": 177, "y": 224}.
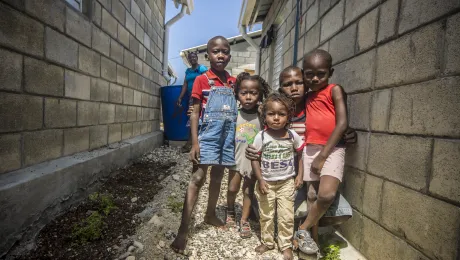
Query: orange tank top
{"x": 320, "y": 120}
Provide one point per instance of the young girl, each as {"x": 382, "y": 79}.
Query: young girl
{"x": 250, "y": 91}
{"x": 324, "y": 154}
{"x": 275, "y": 173}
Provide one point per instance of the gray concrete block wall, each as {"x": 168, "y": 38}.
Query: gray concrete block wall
{"x": 54, "y": 60}
{"x": 398, "y": 60}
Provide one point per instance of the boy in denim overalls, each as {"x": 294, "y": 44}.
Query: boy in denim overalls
{"x": 213, "y": 143}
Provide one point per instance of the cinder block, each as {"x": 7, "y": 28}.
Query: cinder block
{"x": 20, "y": 32}
{"x": 132, "y": 114}
{"x": 367, "y": 30}
{"x": 101, "y": 41}
{"x": 145, "y": 70}
{"x": 118, "y": 10}
{"x": 133, "y": 79}
{"x": 417, "y": 217}
{"x": 312, "y": 39}
{"x": 145, "y": 100}
{"x": 42, "y": 78}
{"x": 122, "y": 75}
{"x": 99, "y": 90}
{"x": 123, "y": 35}
{"x": 127, "y": 4}
{"x": 135, "y": 11}
{"x": 312, "y": 16}
{"x": 10, "y": 70}
{"x": 78, "y": 27}
{"x": 156, "y": 114}
{"x": 97, "y": 13}
{"x": 128, "y": 96}
{"x": 127, "y": 131}
{"x": 106, "y": 113}
{"x": 20, "y": 112}
{"x": 114, "y": 133}
{"x": 332, "y": 21}
{"x": 77, "y": 85}
{"x": 353, "y": 229}
{"x": 387, "y": 20}
{"x": 357, "y": 73}
{"x": 324, "y": 6}
{"x": 61, "y": 49}
{"x": 146, "y": 41}
{"x": 48, "y": 11}
{"x": 342, "y": 45}
{"x": 429, "y": 108}
{"x": 156, "y": 102}
{"x": 445, "y": 179}
{"x": 109, "y": 24}
{"x": 130, "y": 23}
{"x": 409, "y": 157}
{"x": 372, "y": 197}
{"x": 136, "y": 128}
{"x": 116, "y": 51}
{"x": 156, "y": 125}
{"x": 106, "y": 3}
{"x": 76, "y": 140}
{"x": 139, "y": 33}
{"x": 379, "y": 244}
{"x": 359, "y": 110}
{"x": 380, "y": 112}
{"x": 353, "y": 187}
{"x": 98, "y": 136}
{"x": 356, "y": 155}
{"x": 89, "y": 61}
{"x": 412, "y": 57}
{"x": 108, "y": 69}
{"x": 137, "y": 64}
{"x": 414, "y": 13}
{"x": 60, "y": 112}
{"x": 452, "y": 47}
{"x": 10, "y": 152}
{"x": 145, "y": 113}
{"x": 116, "y": 93}
{"x": 149, "y": 126}
{"x": 300, "y": 49}
{"x": 139, "y": 114}
{"x": 121, "y": 113}
{"x": 88, "y": 113}
{"x": 43, "y": 145}
{"x": 356, "y": 8}
{"x": 128, "y": 59}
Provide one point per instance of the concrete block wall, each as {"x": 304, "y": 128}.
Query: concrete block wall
{"x": 399, "y": 62}
{"x": 70, "y": 82}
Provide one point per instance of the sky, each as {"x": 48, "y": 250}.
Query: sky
{"x": 209, "y": 18}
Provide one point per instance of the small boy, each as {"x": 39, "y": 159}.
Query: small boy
{"x": 213, "y": 143}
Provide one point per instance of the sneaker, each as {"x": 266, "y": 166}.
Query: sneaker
{"x": 305, "y": 242}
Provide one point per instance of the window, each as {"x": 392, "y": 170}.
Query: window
{"x": 84, "y": 6}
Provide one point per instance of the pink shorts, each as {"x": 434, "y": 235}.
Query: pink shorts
{"x": 333, "y": 166}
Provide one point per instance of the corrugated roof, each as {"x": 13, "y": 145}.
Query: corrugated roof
{"x": 254, "y": 11}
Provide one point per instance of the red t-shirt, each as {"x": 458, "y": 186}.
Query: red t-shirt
{"x": 201, "y": 86}
{"x": 320, "y": 121}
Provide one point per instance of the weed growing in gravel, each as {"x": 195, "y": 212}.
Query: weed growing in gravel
{"x": 104, "y": 201}
{"x": 89, "y": 229}
{"x": 175, "y": 205}
{"x": 332, "y": 252}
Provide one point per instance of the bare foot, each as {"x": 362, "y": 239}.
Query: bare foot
{"x": 262, "y": 249}
{"x": 179, "y": 244}
{"x": 287, "y": 254}
{"x": 213, "y": 220}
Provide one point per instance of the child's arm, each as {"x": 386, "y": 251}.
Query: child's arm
{"x": 341, "y": 124}
{"x": 195, "y": 151}
{"x": 263, "y": 186}
{"x": 299, "y": 178}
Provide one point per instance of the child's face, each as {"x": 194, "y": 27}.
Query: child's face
{"x": 316, "y": 72}
{"x": 219, "y": 54}
{"x": 276, "y": 115}
{"x": 248, "y": 94}
{"x": 292, "y": 85}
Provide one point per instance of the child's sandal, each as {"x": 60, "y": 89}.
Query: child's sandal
{"x": 305, "y": 243}
{"x": 230, "y": 220}
{"x": 245, "y": 230}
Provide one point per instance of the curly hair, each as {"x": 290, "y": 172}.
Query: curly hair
{"x": 284, "y": 100}
{"x": 264, "y": 88}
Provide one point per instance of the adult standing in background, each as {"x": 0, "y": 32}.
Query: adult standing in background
{"x": 190, "y": 75}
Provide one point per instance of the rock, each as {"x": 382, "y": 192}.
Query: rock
{"x": 139, "y": 245}
{"x": 161, "y": 243}
{"x": 131, "y": 258}
{"x": 156, "y": 221}
{"x": 202, "y": 235}
{"x": 142, "y": 258}
{"x": 134, "y": 199}
{"x": 170, "y": 235}
{"x": 176, "y": 177}
{"x": 131, "y": 249}
{"x": 123, "y": 256}
{"x": 173, "y": 194}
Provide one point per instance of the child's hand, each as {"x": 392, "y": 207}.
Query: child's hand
{"x": 195, "y": 153}
{"x": 298, "y": 182}
{"x": 251, "y": 153}
{"x": 263, "y": 187}
{"x": 317, "y": 164}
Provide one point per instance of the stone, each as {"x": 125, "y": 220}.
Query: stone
{"x": 367, "y": 30}
{"x": 128, "y": 96}
{"x": 87, "y": 113}
{"x": 10, "y": 70}
{"x": 20, "y": 112}
{"x": 452, "y": 48}
{"x": 99, "y": 90}
{"x": 332, "y": 21}
{"x": 48, "y": 11}
{"x": 123, "y": 35}
{"x": 156, "y": 221}
{"x": 61, "y": 49}
{"x": 98, "y": 136}
{"x": 100, "y": 41}
{"x": 89, "y": 61}
{"x": 118, "y": 10}
{"x": 161, "y": 243}
{"x": 445, "y": 179}
{"x": 116, "y": 51}
{"x": 10, "y": 152}
{"x": 41, "y": 146}
{"x": 356, "y": 155}
{"x": 400, "y": 205}
{"x": 126, "y": 131}
{"x": 114, "y": 133}
{"x": 410, "y": 58}
{"x": 409, "y": 157}
{"x": 131, "y": 258}
{"x": 109, "y": 24}
{"x": 356, "y": 8}
{"x": 342, "y": 45}
{"x": 20, "y": 32}
{"x": 122, "y": 75}
{"x": 416, "y": 110}
{"x": 134, "y": 199}
{"x": 380, "y": 111}
{"x": 42, "y": 78}
{"x": 108, "y": 69}
{"x": 106, "y": 113}
{"x": 131, "y": 249}
{"x": 60, "y": 112}
{"x": 78, "y": 27}
{"x": 139, "y": 245}
{"x": 121, "y": 113}
{"x": 359, "y": 110}
{"x": 77, "y": 85}
{"x": 116, "y": 93}
{"x": 387, "y": 19}
{"x": 353, "y": 187}
{"x": 76, "y": 140}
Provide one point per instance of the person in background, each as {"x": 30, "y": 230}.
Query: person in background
{"x": 190, "y": 75}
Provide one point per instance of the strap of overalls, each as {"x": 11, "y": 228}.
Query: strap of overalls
{"x": 211, "y": 84}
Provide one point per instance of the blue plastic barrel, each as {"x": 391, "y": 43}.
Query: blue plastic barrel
{"x": 174, "y": 118}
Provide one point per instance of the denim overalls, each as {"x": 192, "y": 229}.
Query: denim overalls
{"x": 216, "y": 135}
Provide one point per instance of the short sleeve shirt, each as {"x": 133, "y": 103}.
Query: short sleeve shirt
{"x": 191, "y": 74}
{"x": 277, "y": 160}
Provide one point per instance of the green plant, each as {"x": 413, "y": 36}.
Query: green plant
{"x": 175, "y": 205}
{"x": 104, "y": 202}
{"x": 332, "y": 252}
{"x": 88, "y": 229}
